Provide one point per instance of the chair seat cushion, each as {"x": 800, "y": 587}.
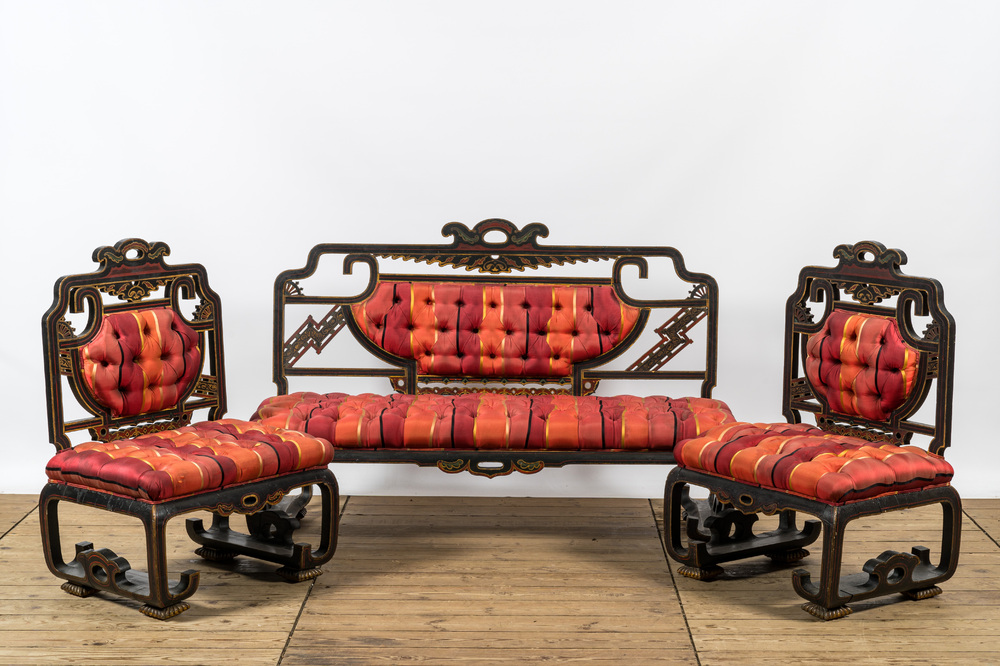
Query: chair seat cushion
{"x": 483, "y": 421}
{"x": 806, "y": 461}
{"x": 199, "y": 458}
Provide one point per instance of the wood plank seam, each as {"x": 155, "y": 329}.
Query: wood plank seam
{"x": 21, "y": 520}
{"x": 305, "y": 598}
{"x": 673, "y": 581}
{"x": 981, "y": 529}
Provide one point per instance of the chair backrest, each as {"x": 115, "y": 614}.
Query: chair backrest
{"x": 857, "y": 361}
{"x": 149, "y": 354}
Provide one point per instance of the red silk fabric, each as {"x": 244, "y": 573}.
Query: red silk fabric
{"x": 198, "y": 458}
{"x": 141, "y": 361}
{"x": 482, "y": 421}
{"x": 486, "y": 330}
{"x": 810, "y": 462}
{"x": 861, "y": 365}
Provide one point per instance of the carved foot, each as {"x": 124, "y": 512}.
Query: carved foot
{"x": 788, "y": 556}
{"x": 698, "y": 573}
{"x": 215, "y": 555}
{"x": 926, "y": 593}
{"x": 826, "y": 613}
{"x": 78, "y": 590}
{"x": 298, "y": 575}
{"x": 164, "y": 613}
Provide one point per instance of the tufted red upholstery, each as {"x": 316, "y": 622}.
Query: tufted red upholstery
{"x": 141, "y": 361}
{"x": 860, "y": 364}
{"x": 807, "y": 461}
{"x": 202, "y": 457}
{"x": 494, "y": 330}
{"x": 494, "y": 421}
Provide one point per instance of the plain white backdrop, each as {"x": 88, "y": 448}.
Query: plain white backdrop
{"x": 754, "y": 137}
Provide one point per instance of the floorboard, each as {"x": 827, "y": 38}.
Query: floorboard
{"x": 496, "y": 580}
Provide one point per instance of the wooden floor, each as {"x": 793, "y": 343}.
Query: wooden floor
{"x": 482, "y": 580}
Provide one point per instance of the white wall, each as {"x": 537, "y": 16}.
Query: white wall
{"x": 754, "y": 137}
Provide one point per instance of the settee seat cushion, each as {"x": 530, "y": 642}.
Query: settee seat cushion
{"x": 203, "y": 457}
{"x": 804, "y": 460}
{"x": 495, "y": 421}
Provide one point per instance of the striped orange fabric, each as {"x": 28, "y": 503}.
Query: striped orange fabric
{"x": 202, "y": 457}
{"x": 141, "y": 361}
{"x": 494, "y": 330}
{"x": 861, "y": 365}
{"x": 480, "y": 421}
{"x": 810, "y": 462}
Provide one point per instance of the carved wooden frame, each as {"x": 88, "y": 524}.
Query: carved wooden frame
{"x": 495, "y": 262}
{"x": 132, "y": 271}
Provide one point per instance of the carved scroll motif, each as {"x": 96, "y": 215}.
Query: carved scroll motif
{"x": 132, "y": 290}
{"x": 869, "y": 294}
{"x": 881, "y": 256}
{"x": 473, "y": 252}
{"x": 144, "y": 253}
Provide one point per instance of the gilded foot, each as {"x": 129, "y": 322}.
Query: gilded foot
{"x": 926, "y": 593}
{"x": 826, "y": 613}
{"x": 711, "y": 573}
{"x": 215, "y": 555}
{"x": 298, "y": 575}
{"x": 164, "y": 613}
{"x": 788, "y": 556}
{"x": 78, "y": 590}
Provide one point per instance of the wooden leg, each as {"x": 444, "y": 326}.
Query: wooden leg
{"x": 271, "y": 523}
{"x": 722, "y": 530}
{"x": 102, "y": 570}
{"x": 891, "y": 572}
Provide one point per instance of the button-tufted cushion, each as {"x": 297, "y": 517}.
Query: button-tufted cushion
{"x": 807, "y": 461}
{"x": 860, "y": 364}
{"x": 495, "y": 421}
{"x": 141, "y": 361}
{"x": 494, "y": 330}
{"x": 198, "y": 458}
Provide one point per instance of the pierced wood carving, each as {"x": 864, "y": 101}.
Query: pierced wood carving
{"x": 313, "y": 335}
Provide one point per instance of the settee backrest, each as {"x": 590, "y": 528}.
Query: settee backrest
{"x": 855, "y": 354}
{"x": 498, "y": 307}
{"x": 136, "y": 344}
